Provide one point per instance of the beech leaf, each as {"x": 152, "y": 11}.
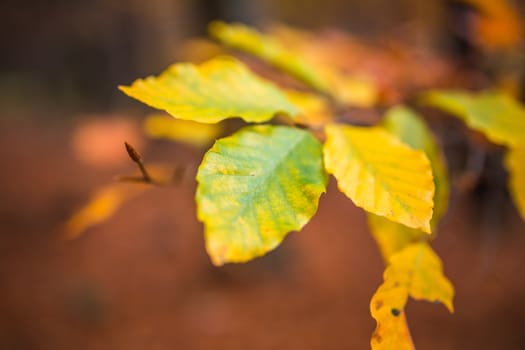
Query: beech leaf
{"x": 245, "y": 38}
{"x": 108, "y": 199}
{"x": 217, "y": 89}
{"x": 411, "y": 129}
{"x": 381, "y": 174}
{"x": 256, "y": 186}
{"x": 497, "y": 115}
{"x": 347, "y": 89}
{"x": 415, "y": 271}
{"x": 104, "y": 203}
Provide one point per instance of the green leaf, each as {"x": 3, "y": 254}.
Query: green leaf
{"x": 411, "y": 129}
{"x": 256, "y": 186}
{"x": 208, "y": 93}
{"x": 515, "y": 164}
{"x": 242, "y": 37}
{"x": 496, "y": 114}
{"x": 381, "y": 174}
{"x": 415, "y": 271}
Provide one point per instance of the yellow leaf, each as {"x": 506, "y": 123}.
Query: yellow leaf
{"x": 107, "y": 200}
{"x": 387, "y": 308}
{"x": 103, "y": 204}
{"x": 217, "y": 89}
{"x": 410, "y": 128}
{"x": 420, "y": 271}
{"x": 381, "y": 174}
{"x": 515, "y": 164}
{"x": 347, "y": 89}
{"x": 415, "y": 271}
{"x": 185, "y": 131}
{"x": 314, "y": 109}
{"x": 269, "y": 49}
{"x": 500, "y": 117}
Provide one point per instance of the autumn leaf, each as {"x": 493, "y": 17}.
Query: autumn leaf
{"x": 497, "y": 115}
{"x": 245, "y": 38}
{"x": 515, "y": 164}
{"x": 256, "y": 186}
{"x": 212, "y": 91}
{"x": 104, "y": 203}
{"x": 108, "y": 199}
{"x": 381, "y": 174}
{"x": 410, "y": 128}
{"x": 347, "y": 89}
{"x": 415, "y": 271}
{"x": 387, "y": 308}
{"x": 186, "y": 131}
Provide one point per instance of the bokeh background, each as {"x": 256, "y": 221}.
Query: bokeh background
{"x": 142, "y": 279}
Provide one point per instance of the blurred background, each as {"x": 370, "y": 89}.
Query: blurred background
{"x": 142, "y": 279}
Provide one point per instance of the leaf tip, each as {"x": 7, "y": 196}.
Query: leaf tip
{"x": 124, "y": 88}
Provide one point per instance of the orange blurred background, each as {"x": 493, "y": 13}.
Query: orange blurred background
{"x": 142, "y": 279}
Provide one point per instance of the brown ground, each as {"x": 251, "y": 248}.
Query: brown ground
{"x": 143, "y": 281}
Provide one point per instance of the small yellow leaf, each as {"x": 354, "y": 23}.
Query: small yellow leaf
{"x": 420, "y": 271}
{"x": 415, "y": 271}
{"x": 500, "y": 117}
{"x": 217, "y": 89}
{"x": 381, "y": 174}
{"x": 185, "y": 131}
{"x": 103, "y": 204}
{"x": 515, "y": 164}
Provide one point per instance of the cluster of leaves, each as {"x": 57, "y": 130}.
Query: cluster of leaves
{"x": 265, "y": 180}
